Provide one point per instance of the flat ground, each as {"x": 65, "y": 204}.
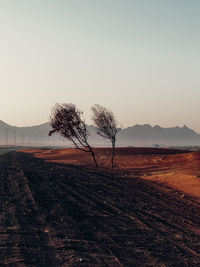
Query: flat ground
{"x": 55, "y": 214}
{"x": 176, "y": 168}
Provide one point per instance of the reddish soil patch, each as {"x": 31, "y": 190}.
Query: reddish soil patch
{"x": 126, "y": 158}
{"x": 62, "y": 215}
{"x": 177, "y": 168}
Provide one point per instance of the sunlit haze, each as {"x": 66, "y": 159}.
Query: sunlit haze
{"x": 139, "y": 58}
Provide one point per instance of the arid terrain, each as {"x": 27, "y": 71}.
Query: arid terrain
{"x": 177, "y": 168}
{"x": 58, "y": 210}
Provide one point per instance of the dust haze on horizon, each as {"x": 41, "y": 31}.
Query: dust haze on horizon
{"x": 139, "y": 58}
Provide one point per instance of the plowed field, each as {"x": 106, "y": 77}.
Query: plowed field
{"x": 176, "y": 168}
{"x": 54, "y": 214}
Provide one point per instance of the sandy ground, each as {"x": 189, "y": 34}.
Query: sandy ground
{"x": 54, "y": 214}
{"x": 178, "y": 169}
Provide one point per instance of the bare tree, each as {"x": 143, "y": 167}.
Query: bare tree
{"x": 67, "y": 120}
{"x": 107, "y": 126}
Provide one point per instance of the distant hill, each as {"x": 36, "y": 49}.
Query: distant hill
{"x": 137, "y": 135}
{"x": 146, "y": 135}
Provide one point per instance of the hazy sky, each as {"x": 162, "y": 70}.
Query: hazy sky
{"x": 140, "y": 58}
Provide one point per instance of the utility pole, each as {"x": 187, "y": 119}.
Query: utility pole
{"x": 15, "y": 137}
{"x": 22, "y": 138}
{"x": 6, "y": 136}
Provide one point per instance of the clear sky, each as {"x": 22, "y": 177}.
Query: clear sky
{"x": 141, "y": 58}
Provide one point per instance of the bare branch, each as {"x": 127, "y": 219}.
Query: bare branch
{"x": 106, "y": 125}
{"x": 68, "y": 121}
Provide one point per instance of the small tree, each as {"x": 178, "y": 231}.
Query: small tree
{"x": 67, "y": 120}
{"x": 105, "y": 121}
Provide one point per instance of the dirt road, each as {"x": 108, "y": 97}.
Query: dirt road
{"x": 61, "y": 215}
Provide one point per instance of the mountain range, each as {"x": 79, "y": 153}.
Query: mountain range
{"x": 137, "y": 135}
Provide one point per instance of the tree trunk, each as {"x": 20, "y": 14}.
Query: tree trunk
{"x": 94, "y": 158}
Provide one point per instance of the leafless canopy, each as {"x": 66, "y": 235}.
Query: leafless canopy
{"x": 106, "y": 125}
{"x": 67, "y": 120}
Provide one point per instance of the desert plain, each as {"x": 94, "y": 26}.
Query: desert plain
{"x": 179, "y": 169}
{"x": 57, "y": 209}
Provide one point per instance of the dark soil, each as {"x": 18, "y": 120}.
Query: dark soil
{"x": 60, "y": 215}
